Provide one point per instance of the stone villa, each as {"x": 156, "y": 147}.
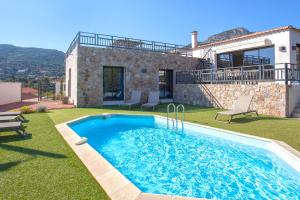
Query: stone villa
{"x": 103, "y": 70}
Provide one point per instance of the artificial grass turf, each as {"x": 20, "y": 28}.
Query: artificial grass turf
{"x": 42, "y": 166}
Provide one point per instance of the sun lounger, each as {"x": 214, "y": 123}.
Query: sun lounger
{"x": 153, "y": 100}
{"x": 13, "y": 126}
{"x": 19, "y": 114}
{"x": 9, "y": 118}
{"x": 241, "y": 106}
{"x": 135, "y": 99}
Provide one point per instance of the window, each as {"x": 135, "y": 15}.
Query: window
{"x": 260, "y": 56}
{"x": 113, "y": 83}
{"x": 166, "y": 84}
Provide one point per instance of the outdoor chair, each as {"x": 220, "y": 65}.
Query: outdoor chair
{"x": 9, "y": 118}
{"x": 241, "y": 106}
{"x": 135, "y": 99}
{"x": 13, "y": 126}
{"x": 153, "y": 100}
{"x": 19, "y": 114}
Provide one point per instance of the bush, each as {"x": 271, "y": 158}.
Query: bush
{"x": 26, "y": 110}
{"x": 41, "y": 109}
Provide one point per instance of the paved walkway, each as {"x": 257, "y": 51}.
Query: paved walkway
{"x": 33, "y": 103}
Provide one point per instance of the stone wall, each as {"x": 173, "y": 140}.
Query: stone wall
{"x": 268, "y": 98}
{"x": 141, "y": 71}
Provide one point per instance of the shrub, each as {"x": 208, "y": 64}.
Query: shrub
{"x": 41, "y": 109}
{"x": 26, "y": 110}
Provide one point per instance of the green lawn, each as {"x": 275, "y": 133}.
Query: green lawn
{"x": 44, "y": 167}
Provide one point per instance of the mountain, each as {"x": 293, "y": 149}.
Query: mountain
{"x": 232, "y": 33}
{"x": 31, "y": 62}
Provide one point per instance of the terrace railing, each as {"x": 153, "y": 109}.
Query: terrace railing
{"x": 246, "y": 75}
{"x": 109, "y": 41}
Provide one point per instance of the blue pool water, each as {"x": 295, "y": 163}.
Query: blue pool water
{"x": 190, "y": 163}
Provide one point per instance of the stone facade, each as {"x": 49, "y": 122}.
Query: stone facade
{"x": 141, "y": 71}
{"x": 268, "y": 98}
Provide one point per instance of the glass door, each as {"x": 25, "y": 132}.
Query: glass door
{"x": 113, "y": 83}
{"x": 166, "y": 84}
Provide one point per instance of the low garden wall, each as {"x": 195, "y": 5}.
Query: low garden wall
{"x": 268, "y": 98}
{"x": 10, "y": 92}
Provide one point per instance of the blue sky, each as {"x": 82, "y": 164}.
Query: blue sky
{"x": 54, "y": 23}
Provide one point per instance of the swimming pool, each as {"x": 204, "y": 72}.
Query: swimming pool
{"x": 197, "y": 162}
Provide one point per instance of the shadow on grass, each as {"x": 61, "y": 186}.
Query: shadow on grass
{"x": 11, "y": 164}
{"x": 14, "y": 138}
{"x": 32, "y": 152}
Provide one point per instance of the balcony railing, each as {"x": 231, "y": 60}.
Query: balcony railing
{"x": 246, "y": 74}
{"x": 109, "y": 41}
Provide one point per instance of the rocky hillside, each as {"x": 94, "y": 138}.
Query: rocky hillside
{"x": 232, "y": 33}
{"x": 32, "y": 62}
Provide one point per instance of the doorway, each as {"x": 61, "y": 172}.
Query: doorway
{"x": 113, "y": 83}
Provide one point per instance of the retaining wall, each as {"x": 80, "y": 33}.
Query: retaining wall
{"x": 268, "y": 98}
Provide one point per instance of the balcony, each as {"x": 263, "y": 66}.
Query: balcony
{"x": 109, "y": 41}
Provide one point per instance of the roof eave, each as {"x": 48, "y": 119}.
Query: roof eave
{"x": 252, "y": 35}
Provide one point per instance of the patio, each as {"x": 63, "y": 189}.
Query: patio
{"x": 34, "y": 103}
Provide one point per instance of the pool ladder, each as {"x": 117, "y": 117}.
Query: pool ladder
{"x": 176, "y": 109}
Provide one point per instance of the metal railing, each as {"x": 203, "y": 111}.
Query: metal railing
{"x": 109, "y": 41}
{"x": 246, "y": 74}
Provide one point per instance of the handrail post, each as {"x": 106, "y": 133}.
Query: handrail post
{"x": 96, "y": 39}
{"x": 263, "y": 72}
{"x": 168, "y": 111}
{"x": 242, "y": 74}
{"x": 78, "y": 38}
{"x": 153, "y": 46}
{"x": 182, "y": 116}
{"x": 286, "y": 74}
{"x": 259, "y": 73}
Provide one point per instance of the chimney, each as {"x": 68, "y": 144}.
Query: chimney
{"x": 194, "y": 39}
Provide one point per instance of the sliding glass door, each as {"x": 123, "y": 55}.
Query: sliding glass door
{"x": 259, "y": 56}
{"x": 113, "y": 83}
{"x": 166, "y": 84}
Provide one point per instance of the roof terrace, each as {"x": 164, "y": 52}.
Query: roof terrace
{"x": 109, "y": 41}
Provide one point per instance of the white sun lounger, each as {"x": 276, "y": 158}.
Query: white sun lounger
{"x": 135, "y": 99}
{"x": 19, "y": 114}
{"x": 13, "y": 126}
{"x": 9, "y": 118}
{"x": 153, "y": 100}
{"x": 241, "y": 106}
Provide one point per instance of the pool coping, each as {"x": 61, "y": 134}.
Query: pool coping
{"x": 114, "y": 183}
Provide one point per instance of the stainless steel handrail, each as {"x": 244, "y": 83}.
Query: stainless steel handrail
{"x": 168, "y": 112}
{"x": 182, "y": 116}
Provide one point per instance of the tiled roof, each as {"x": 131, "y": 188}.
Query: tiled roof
{"x": 252, "y": 35}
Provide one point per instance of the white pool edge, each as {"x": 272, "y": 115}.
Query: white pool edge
{"x": 114, "y": 183}
{"x": 118, "y": 187}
